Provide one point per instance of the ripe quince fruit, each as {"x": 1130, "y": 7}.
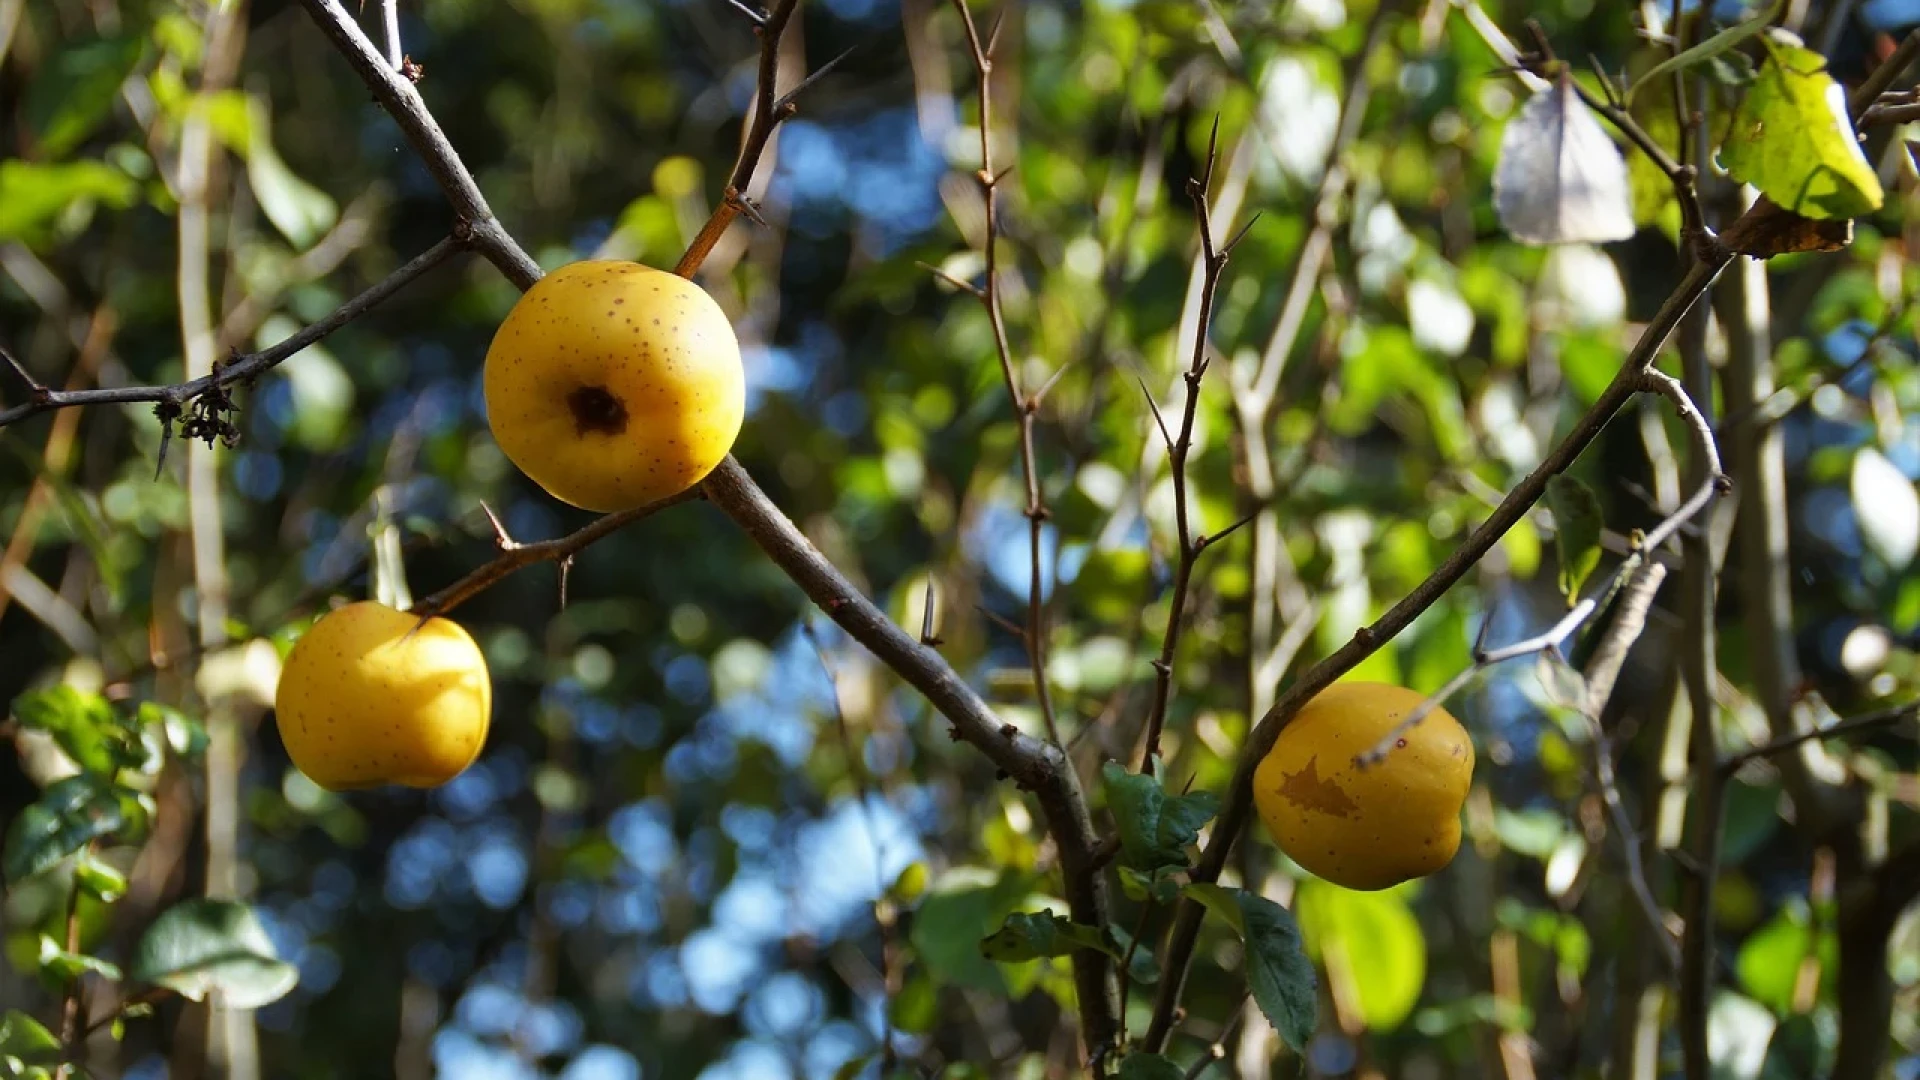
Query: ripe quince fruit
{"x": 613, "y": 385}
{"x": 1366, "y": 826}
{"x": 366, "y": 699}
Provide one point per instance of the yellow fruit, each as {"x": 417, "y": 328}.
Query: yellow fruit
{"x": 1368, "y": 827}
{"x": 613, "y": 385}
{"x": 365, "y": 699}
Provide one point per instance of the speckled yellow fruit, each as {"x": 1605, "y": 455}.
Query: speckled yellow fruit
{"x": 613, "y": 385}
{"x": 366, "y": 700}
{"x": 1366, "y": 827}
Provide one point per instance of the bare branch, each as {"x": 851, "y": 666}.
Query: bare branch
{"x": 1369, "y": 639}
{"x": 1214, "y": 264}
{"x": 243, "y": 366}
{"x": 1025, "y": 407}
{"x": 515, "y": 555}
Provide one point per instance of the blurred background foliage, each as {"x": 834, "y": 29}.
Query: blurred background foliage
{"x": 670, "y": 862}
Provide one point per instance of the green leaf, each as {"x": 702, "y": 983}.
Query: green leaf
{"x": 1149, "y": 1067}
{"x": 67, "y": 817}
{"x": 1719, "y": 43}
{"x": 34, "y": 196}
{"x": 85, "y": 726}
{"x": 1279, "y": 974}
{"x": 299, "y": 210}
{"x": 950, "y": 922}
{"x": 1155, "y": 828}
{"x": 202, "y": 947}
{"x": 186, "y": 736}
{"x": 64, "y": 967}
{"x": 1770, "y": 961}
{"x": 23, "y": 1037}
{"x": 1030, "y": 935}
{"x": 1376, "y": 942}
{"x": 1792, "y": 139}
{"x": 916, "y": 1008}
{"x": 102, "y": 881}
{"x": 1577, "y": 522}
{"x": 1140, "y": 886}
{"x": 78, "y": 89}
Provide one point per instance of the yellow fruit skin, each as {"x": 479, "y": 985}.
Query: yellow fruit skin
{"x": 1374, "y": 827}
{"x": 361, "y": 703}
{"x": 613, "y": 385}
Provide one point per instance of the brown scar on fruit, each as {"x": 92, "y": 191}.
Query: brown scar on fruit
{"x": 1307, "y": 789}
{"x": 594, "y": 409}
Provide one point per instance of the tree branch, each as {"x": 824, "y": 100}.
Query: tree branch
{"x": 1214, "y": 263}
{"x": 1025, "y": 407}
{"x": 238, "y": 368}
{"x": 1368, "y": 639}
{"x": 1034, "y": 765}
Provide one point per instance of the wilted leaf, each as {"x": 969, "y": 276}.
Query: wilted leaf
{"x": 1155, "y": 828}
{"x": 1766, "y": 230}
{"x": 1560, "y": 179}
{"x": 68, "y": 815}
{"x": 1792, "y": 138}
{"x": 202, "y": 947}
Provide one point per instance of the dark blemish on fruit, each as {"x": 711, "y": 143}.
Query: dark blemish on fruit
{"x": 595, "y": 409}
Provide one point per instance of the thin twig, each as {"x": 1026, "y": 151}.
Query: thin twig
{"x": 883, "y": 912}
{"x": 1872, "y": 721}
{"x": 515, "y": 555}
{"x": 243, "y": 366}
{"x": 1636, "y": 599}
{"x": 390, "y": 11}
{"x": 768, "y": 112}
{"x": 1033, "y": 765}
{"x": 1025, "y": 408}
{"x": 1369, "y": 639}
{"x": 1213, "y": 263}
{"x": 71, "y": 1033}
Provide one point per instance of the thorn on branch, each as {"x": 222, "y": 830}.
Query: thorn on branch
{"x": 787, "y": 105}
{"x": 39, "y": 393}
{"x": 927, "y": 636}
{"x": 755, "y": 16}
{"x": 1157, "y": 418}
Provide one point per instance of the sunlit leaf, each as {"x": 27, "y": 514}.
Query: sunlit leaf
{"x": 202, "y": 947}
{"x": 1792, "y": 138}
{"x": 1561, "y": 179}
{"x": 26, "y": 1039}
{"x": 33, "y": 195}
{"x": 1370, "y": 939}
{"x": 64, "y": 967}
{"x": 1887, "y": 508}
{"x": 299, "y": 210}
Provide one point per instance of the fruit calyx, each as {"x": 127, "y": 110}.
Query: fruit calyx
{"x": 595, "y": 409}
